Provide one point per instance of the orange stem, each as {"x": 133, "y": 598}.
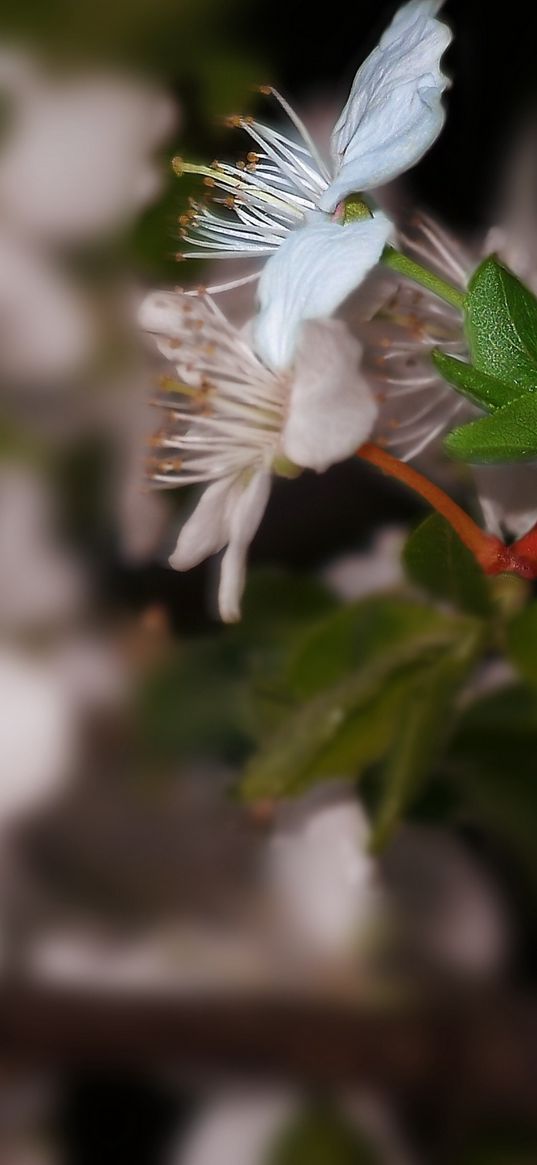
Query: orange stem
{"x": 490, "y": 552}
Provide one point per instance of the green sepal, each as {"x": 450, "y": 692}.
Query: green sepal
{"x": 482, "y": 389}
{"x": 510, "y": 434}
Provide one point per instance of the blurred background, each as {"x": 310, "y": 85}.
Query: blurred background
{"x": 187, "y": 978}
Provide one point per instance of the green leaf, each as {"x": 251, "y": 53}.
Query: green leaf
{"x": 490, "y": 763}
{"x": 509, "y": 435}
{"x": 321, "y": 1136}
{"x": 426, "y": 722}
{"x": 197, "y": 702}
{"x": 194, "y": 704}
{"x": 351, "y": 637}
{"x": 438, "y": 561}
{"x": 522, "y": 642}
{"x": 501, "y": 325}
{"x": 348, "y": 723}
{"x": 482, "y": 389}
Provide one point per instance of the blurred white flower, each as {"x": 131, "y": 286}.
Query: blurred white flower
{"x": 451, "y": 909}
{"x": 231, "y": 423}
{"x": 40, "y": 582}
{"x": 47, "y": 325}
{"x": 37, "y": 734}
{"x": 91, "y": 670}
{"x": 287, "y": 201}
{"x": 379, "y": 568}
{"x": 237, "y": 1128}
{"x": 79, "y": 158}
{"x": 321, "y": 875}
{"x": 77, "y": 161}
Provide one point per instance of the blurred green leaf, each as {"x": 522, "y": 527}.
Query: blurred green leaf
{"x": 522, "y": 642}
{"x": 490, "y": 760}
{"x": 198, "y": 701}
{"x": 426, "y": 721}
{"x": 351, "y": 636}
{"x": 194, "y": 704}
{"x": 321, "y": 1136}
{"x": 438, "y": 561}
{"x": 481, "y": 388}
{"x": 509, "y": 435}
{"x": 516, "y": 1147}
{"x": 501, "y": 325}
{"x": 349, "y": 718}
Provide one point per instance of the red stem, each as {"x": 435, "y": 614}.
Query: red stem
{"x": 490, "y": 552}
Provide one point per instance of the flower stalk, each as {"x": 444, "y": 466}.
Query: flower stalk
{"x": 401, "y": 263}
{"x": 493, "y": 556}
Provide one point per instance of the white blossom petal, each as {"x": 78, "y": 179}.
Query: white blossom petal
{"x": 310, "y": 275}
{"x": 244, "y": 519}
{"x": 207, "y": 530}
{"x": 332, "y": 409}
{"x": 394, "y": 112}
{"x": 508, "y": 498}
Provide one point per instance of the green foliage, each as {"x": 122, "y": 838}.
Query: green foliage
{"x": 198, "y": 701}
{"x": 481, "y": 388}
{"x": 509, "y": 435}
{"x": 438, "y": 561}
{"x": 321, "y": 1136}
{"x": 346, "y": 687}
{"x": 501, "y": 326}
{"x": 522, "y": 642}
{"x": 427, "y": 717}
{"x": 490, "y": 762}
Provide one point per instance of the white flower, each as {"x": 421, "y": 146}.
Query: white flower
{"x": 77, "y": 161}
{"x": 37, "y": 734}
{"x": 377, "y": 569}
{"x": 416, "y": 404}
{"x": 47, "y": 325}
{"x": 40, "y": 581}
{"x": 393, "y": 114}
{"x": 321, "y": 873}
{"x": 418, "y": 407}
{"x": 450, "y": 909}
{"x": 231, "y": 422}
